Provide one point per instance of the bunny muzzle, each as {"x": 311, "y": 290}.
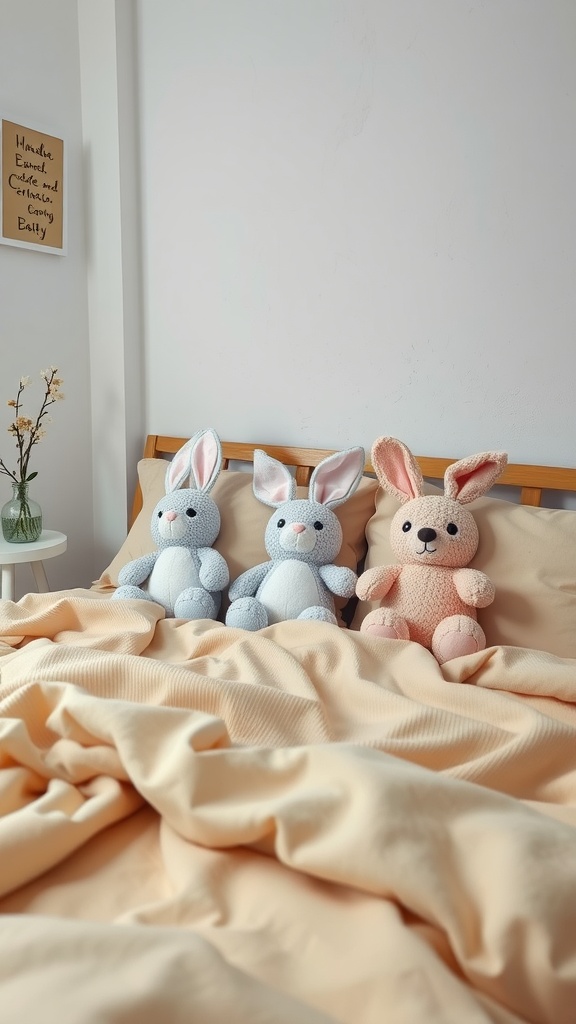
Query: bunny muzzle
{"x": 172, "y": 525}
{"x": 427, "y": 536}
{"x": 434, "y": 530}
{"x": 298, "y": 537}
{"x": 304, "y": 529}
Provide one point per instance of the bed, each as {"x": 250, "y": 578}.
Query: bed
{"x": 303, "y": 824}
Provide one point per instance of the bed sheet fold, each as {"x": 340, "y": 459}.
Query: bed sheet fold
{"x": 322, "y": 824}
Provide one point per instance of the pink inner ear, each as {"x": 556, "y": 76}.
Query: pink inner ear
{"x": 460, "y": 484}
{"x": 178, "y": 466}
{"x": 328, "y": 490}
{"x": 204, "y": 459}
{"x": 396, "y": 469}
{"x": 333, "y": 480}
{"x": 272, "y": 481}
{"x": 278, "y": 495}
{"x": 472, "y": 477}
{"x": 471, "y": 485}
{"x": 402, "y": 478}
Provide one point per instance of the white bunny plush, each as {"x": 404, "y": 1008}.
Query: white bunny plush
{"x": 185, "y": 575}
{"x": 431, "y": 596}
{"x": 303, "y": 537}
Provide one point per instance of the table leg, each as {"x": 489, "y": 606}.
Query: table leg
{"x": 40, "y": 577}
{"x": 8, "y": 576}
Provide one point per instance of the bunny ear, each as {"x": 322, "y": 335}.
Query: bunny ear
{"x": 336, "y": 478}
{"x": 273, "y": 482}
{"x": 397, "y": 469}
{"x": 200, "y": 458}
{"x": 206, "y": 459}
{"x": 470, "y": 478}
{"x": 178, "y": 470}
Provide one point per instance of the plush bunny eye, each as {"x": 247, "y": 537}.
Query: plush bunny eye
{"x": 406, "y": 526}
{"x": 452, "y": 529}
{"x": 191, "y": 512}
{"x": 318, "y": 525}
{"x": 159, "y": 515}
{"x": 281, "y": 523}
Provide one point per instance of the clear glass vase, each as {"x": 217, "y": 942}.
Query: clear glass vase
{"x": 21, "y": 516}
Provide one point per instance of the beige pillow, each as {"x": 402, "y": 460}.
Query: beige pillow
{"x": 243, "y": 522}
{"x": 528, "y": 553}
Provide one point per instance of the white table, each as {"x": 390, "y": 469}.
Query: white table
{"x": 49, "y": 544}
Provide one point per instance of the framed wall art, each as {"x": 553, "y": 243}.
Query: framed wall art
{"x": 32, "y": 188}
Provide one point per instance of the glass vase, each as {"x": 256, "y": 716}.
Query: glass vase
{"x": 21, "y": 516}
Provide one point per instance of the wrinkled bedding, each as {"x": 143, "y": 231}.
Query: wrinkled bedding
{"x": 304, "y": 824}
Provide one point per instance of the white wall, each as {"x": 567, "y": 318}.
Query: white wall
{"x": 43, "y": 303}
{"x": 110, "y": 137}
{"x": 359, "y": 217}
{"x": 354, "y": 217}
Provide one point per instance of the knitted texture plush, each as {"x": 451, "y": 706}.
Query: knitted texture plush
{"x": 430, "y": 596}
{"x": 185, "y": 575}
{"x": 303, "y": 537}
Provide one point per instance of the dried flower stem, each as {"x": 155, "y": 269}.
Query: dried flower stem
{"x": 26, "y": 431}
{"x": 24, "y": 525}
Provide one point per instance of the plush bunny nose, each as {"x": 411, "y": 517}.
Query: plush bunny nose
{"x": 426, "y": 534}
{"x": 171, "y": 516}
{"x": 298, "y": 527}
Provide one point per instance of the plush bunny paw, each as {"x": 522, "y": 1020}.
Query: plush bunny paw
{"x": 456, "y": 636}
{"x": 195, "y": 603}
{"x": 130, "y": 593}
{"x": 383, "y": 623}
{"x": 247, "y": 613}
{"x": 318, "y": 614}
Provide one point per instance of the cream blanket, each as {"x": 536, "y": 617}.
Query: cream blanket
{"x": 301, "y": 825}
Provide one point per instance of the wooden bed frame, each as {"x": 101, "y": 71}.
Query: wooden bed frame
{"x": 531, "y": 480}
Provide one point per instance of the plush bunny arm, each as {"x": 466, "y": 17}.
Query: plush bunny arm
{"x": 213, "y": 573}
{"x": 136, "y": 572}
{"x": 339, "y": 579}
{"x": 247, "y": 584}
{"x": 375, "y": 583}
{"x": 474, "y": 588}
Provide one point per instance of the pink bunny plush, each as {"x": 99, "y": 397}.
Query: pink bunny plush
{"x": 431, "y": 596}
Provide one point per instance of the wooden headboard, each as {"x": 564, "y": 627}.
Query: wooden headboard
{"x": 531, "y": 480}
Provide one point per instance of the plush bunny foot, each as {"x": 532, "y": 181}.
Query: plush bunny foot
{"x": 456, "y": 636}
{"x": 247, "y": 613}
{"x": 195, "y": 603}
{"x": 318, "y": 614}
{"x": 130, "y": 593}
{"x": 384, "y": 623}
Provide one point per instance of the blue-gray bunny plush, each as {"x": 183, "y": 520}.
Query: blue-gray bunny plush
{"x": 303, "y": 537}
{"x": 186, "y": 575}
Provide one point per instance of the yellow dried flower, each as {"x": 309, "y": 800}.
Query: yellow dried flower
{"x": 23, "y": 423}
{"x": 27, "y": 431}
